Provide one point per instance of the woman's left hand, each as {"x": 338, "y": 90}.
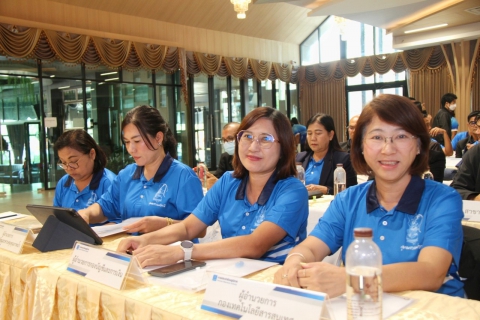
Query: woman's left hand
{"x": 146, "y": 224}
{"x": 158, "y": 254}
{"x": 322, "y": 277}
{"x": 316, "y": 187}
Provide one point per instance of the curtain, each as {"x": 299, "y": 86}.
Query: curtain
{"x": 325, "y": 97}
{"x": 476, "y": 85}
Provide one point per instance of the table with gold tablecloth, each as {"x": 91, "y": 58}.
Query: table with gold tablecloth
{"x": 36, "y": 285}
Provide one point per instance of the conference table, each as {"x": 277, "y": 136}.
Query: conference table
{"x": 36, "y": 285}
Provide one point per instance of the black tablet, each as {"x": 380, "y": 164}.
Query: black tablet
{"x": 315, "y": 193}
{"x": 68, "y": 216}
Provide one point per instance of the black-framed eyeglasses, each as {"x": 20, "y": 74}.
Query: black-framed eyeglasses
{"x": 476, "y": 122}
{"x": 69, "y": 165}
{"x": 265, "y": 140}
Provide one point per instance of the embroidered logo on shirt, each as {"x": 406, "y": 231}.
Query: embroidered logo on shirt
{"x": 260, "y": 216}
{"x": 92, "y": 199}
{"x": 158, "y": 199}
{"x": 413, "y": 232}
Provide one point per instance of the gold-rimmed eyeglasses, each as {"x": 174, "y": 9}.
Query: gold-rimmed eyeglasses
{"x": 265, "y": 140}
{"x": 69, "y": 165}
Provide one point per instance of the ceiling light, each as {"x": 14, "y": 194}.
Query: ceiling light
{"x": 240, "y": 6}
{"x": 66, "y": 87}
{"x": 108, "y": 73}
{"x": 111, "y": 79}
{"x": 427, "y": 28}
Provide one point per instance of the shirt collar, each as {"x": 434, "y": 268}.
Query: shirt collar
{"x": 161, "y": 172}
{"x": 266, "y": 192}
{"x": 94, "y": 183}
{"x": 409, "y": 201}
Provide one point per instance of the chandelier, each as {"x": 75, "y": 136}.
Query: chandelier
{"x": 240, "y": 6}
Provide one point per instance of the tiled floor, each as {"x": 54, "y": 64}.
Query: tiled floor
{"x": 17, "y": 200}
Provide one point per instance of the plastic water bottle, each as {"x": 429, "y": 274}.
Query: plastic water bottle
{"x": 202, "y": 174}
{"x": 339, "y": 179}
{"x": 427, "y": 175}
{"x": 300, "y": 172}
{"x": 363, "y": 263}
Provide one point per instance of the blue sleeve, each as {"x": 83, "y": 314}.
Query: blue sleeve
{"x": 331, "y": 227}
{"x": 290, "y": 209}
{"x": 444, "y": 227}
{"x": 109, "y": 202}
{"x": 189, "y": 195}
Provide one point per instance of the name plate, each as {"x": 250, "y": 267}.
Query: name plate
{"x": 104, "y": 266}
{"x": 471, "y": 210}
{"x": 248, "y": 299}
{"x": 12, "y": 237}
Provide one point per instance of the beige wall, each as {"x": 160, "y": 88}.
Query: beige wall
{"x": 57, "y": 16}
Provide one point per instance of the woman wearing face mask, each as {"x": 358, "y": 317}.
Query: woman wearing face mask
{"x": 225, "y": 164}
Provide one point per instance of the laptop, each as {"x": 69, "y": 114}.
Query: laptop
{"x": 68, "y": 216}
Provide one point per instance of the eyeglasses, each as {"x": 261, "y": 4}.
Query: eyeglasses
{"x": 472, "y": 124}
{"x": 265, "y": 140}
{"x": 69, "y": 165}
{"x": 478, "y": 122}
{"x": 351, "y": 128}
{"x": 399, "y": 141}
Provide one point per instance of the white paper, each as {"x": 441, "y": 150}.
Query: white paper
{"x": 109, "y": 229}
{"x": 9, "y": 215}
{"x": 391, "y": 305}
{"x": 196, "y": 280}
{"x": 471, "y": 210}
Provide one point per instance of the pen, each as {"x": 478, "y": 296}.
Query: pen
{"x": 12, "y": 215}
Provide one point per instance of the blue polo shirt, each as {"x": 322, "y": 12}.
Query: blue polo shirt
{"x": 459, "y": 136}
{"x": 313, "y": 171}
{"x": 173, "y": 192}
{"x": 428, "y": 214}
{"x": 68, "y": 196}
{"x": 283, "y": 202}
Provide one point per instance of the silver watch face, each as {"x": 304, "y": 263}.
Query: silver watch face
{"x": 187, "y": 244}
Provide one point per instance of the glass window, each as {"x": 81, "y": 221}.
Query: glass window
{"x": 329, "y": 41}
{"x": 252, "y": 96}
{"x": 100, "y": 73}
{"x": 141, "y": 76}
{"x": 359, "y": 39}
{"x": 357, "y": 100}
{"x": 310, "y": 50}
{"x": 360, "y": 79}
{"x": 391, "y": 76}
{"x": 266, "y": 87}
{"x": 181, "y": 132}
{"x": 236, "y": 100}
{"x": 62, "y": 70}
{"x": 201, "y": 112}
{"x": 281, "y": 96}
{"x": 294, "y": 110}
{"x": 14, "y": 66}
{"x": 383, "y": 41}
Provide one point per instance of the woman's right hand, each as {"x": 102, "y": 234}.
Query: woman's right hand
{"x": 131, "y": 243}
{"x": 288, "y": 273}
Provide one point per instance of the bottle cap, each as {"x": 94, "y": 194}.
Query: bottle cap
{"x": 339, "y": 164}
{"x": 363, "y": 232}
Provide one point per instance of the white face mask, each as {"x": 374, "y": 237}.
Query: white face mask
{"x": 229, "y": 147}
{"x": 452, "y": 107}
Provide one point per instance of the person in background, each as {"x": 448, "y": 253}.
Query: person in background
{"x": 261, "y": 207}
{"x": 443, "y": 118}
{"x": 416, "y": 223}
{"x": 322, "y": 155}
{"x": 87, "y": 179}
{"x": 470, "y": 138}
{"x": 156, "y": 187}
{"x": 454, "y": 123}
{"x": 346, "y": 145}
{"x": 299, "y": 132}
{"x": 435, "y": 132}
{"x": 229, "y": 133}
{"x": 465, "y": 134}
{"x": 467, "y": 179}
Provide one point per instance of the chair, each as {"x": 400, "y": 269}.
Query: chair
{"x": 469, "y": 269}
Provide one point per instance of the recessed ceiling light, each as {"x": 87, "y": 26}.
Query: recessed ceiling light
{"x": 427, "y": 28}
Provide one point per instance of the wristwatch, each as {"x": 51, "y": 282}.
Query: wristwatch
{"x": 187, "y": 247}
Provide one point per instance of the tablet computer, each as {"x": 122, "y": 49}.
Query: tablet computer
{"x": 315, "y": 193}
{"x": 68, "y": 216}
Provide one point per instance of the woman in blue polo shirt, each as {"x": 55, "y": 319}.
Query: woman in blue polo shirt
{"x": 323, "y": 153}
{"x": 261, "y": 208}
{"x": 84, "y": 161}
{"x": 156, "y": 186}
{"x": 416, "y": 223}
